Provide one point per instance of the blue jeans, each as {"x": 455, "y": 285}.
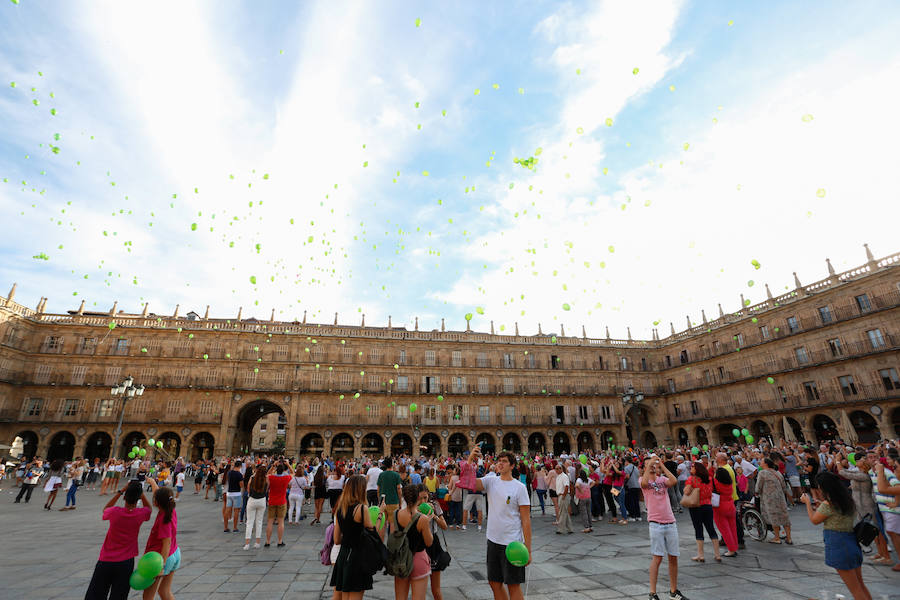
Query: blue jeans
{"x": 620, "y": 500}
{"x": 244, "y": 496}
{"x": 70, "y": 495}
{"x": 541, "y": 494}
{"x": 454, "y": 513}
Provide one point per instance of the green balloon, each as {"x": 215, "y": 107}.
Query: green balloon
{"x": 695, "y": 450}
{"x": 134, "y": 448}
{"x": 735, "y": 432}
{"x": 150, "y": 565}
{"x": 745, "y": 431}
{"x": 159, "y": 444}
{"x": 143, "y": 452}
{"x": 583, "y": 459}
{"x": 139, "y": 582}
{"x": 706, "y": 447}
{"x": 150, "y": 442}
{"x": 131, "y": 455}
{"x": 373, "y": 513}
{"x": 749, "y": 438}
{"x": 852, "y": 458}
{"x": 517, "y": 554}
{"x": 425, "y": 508}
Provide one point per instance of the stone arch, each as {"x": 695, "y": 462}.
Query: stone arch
{"x": 201, "y": 446}
{"x": 372, "y": 445}
{"x": 512, "y": 442}
{"x": 135, "y": 438}
{"x": 246, "y": 417}
{"x": 401, "y": 443}
{"x": 171, "y": 448}
{"x": 486, "y": 440}
{"x": 28, "y": 441}
{"x": 312, "y": 444}
{"x": 682, "y": 436}
{"x": 759, "y": 429}
{"x": 457, "y": 443}
{"x": 342, "y": 445}
{"x": 824, "y": 427}
{"x": 584, "y": 442}
{"x": 895, "y": 421}
{"x": 640, "y": 415}
{"x": 537, "y": 443}
{"x": 649, "y": 440}
{"x": 430, "y": 444}
{"x": 700, "y": 435}
{"x": 866, "y": 427}
{"x": 796, "y": 429}
{"x": 726, "y": 435}
{"x": 561, "y": 443}
{"x": 98, "y": 445}
{"x": 607, "y": 440}
{"x": 62, "y": 446}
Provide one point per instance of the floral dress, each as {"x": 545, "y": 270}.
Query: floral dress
{"x": 771, "y": 489}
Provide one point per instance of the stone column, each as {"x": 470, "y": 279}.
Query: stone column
{"x": 357, "y": 444}
{"x": 290, "y": 438}
{"x": 226, "y": 434}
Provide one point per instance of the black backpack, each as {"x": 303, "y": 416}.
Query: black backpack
{"x": 373, "y": 555}
{"x": 865, "y": 531}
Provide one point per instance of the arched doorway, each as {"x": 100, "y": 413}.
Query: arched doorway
{"x": 372, "y": 445}
{"x": 312, "y": 444}
{"x": 342, "y": 446}
{"x": 62, "y": 446}
{"x": 561, "y": 444}
{"x": 700, "y": 436}
{"x": 607, "y": 440}
{"x": 430, "y": 445}
{"x": 895, "y": 421}
{"x": 796, "y": 429}
{"x": 248, "y": 437}
{"x": 649, "y": 440}
{"x": 824, "y": 428}
{"x": 486, "y": 441}
{"x": 97, "y": 446}
{"x": 683, "y": 437}
{"x": 866, "y": 427}
{"x": 202, "y": 446}
{"x": 171, "y": 445}
{"x": 457, "y": 443}
{"x": 512, "y": 443}
{"x": 135, "y": 438}
{"x": 26, "y": 442}
{"x": 760, "y": 430}
{"x": 401, "y": 444}
{"x": 726, "y": 435}
{"x": 537, "y": 443}
{"x": 585, "y": 442}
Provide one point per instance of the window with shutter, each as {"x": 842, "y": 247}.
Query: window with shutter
{"x": 112, "y": 376}
{"x": 78, "y": 373}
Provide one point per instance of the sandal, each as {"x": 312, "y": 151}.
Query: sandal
{"x": 719, "y": 558}
{"x": 774, "y": 541}
{"x": 699, "y": 559}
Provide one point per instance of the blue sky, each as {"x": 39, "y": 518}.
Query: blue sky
{"x": 749, "y": 132}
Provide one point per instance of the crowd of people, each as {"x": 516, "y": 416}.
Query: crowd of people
{"x": 412, "y": 498}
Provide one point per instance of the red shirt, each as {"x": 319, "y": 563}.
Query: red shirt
{"x": 278, "y": 485}
{"x": 161, "y": 531}
{"x": 705, "y": 489}
{"x": 121, "y": 541}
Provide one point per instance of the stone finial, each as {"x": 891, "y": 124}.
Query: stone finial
{"x": 272, "y": 317}
{"x": 442, "y": 324}
{"x": 417, "y": 323}
{"x": 688, "y": 317}
{"x": 304, "y": 317}
{"x": 797, "y": 283}
{"x": 112, "y": 311}
{"x": 768, "y": 292}
{"x": 721, "y": 312}
{"x": 206, "y": 314}
{"x": 672, "y": 327}
{"x": 12, "y": 292}
{"x": 703, "y": 315}
{"x": 517, "y": 329}
{"x": 743, "y": 302}
{"x": 241, "y": 310}
{"x": 629, "y": 333}
{"x": 81, "y": 308}
{"x": 335, "y": 318}
{"x": 492, "y": 327}
{"x": 607, "y": 333}
{"x": 869, "y": 256}
{"x": 144, "y": 310}
{"x": 177, "y": 306}
{"x": 583, "y": 332}
{"x": 562, "y": 330}
{"x": 363, "y": 323}
{"x": 40, "y": 305}
{"x": 468, "y": 322}
{"x": 389, "y": 322}
{"x": 830, "y": 268}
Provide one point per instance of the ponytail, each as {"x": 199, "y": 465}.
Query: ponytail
{"x": 165, "y": 500}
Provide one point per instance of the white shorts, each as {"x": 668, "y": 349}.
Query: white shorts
{"x": 663, "y": 539}
{"x": 476, "y": 499}
{"x": 794, "y": 481}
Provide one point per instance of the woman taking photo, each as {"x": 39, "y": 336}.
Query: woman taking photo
{"x": 351, "y": 515}
{"x": 319, "y": 492}
{"x": 257, "y": 490}
{"x": 723, "y": 514}
{"x": 837, "y": 513}
{"x": 419, "y": 538}
{"x": 774, "y": 496}
{"x": 702, "y": 515}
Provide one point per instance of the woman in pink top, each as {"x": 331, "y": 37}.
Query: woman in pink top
{"x": 116, "y": 562}
{"x": 163, "y": 540}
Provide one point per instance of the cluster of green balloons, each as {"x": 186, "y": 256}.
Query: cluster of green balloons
{"x": 742, "y": 432}
{"x": 148, "y": 568}
{"x": 135, "y": 451}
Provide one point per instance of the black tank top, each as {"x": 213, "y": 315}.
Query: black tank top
{"x": 351, "y": 531}
{"x": 414, "y": 536}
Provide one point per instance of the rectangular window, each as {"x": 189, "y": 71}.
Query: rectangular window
{"x": 431, "y": 384}
{"x": 707, "y": 376}
{"x": 484, "y": 414}
{"x": 671, "y": 384}
{"x": 507, "y": 361}
{"x": 459, "y": 386}
{"x": 483, "y": 387}
{"x": 429, "y": 358}
{"x": 180, "y": 376}
{"x": 606, "y": 412}
{"x": 347, "y": 354}
{"x": 278, "y": 379}
{"x": 643, "y": 364}
{"x": 344, "y": 411}
{"x": 314, "y": 410}
{"x": 811, "y": 390}
{"x": 834, "y": 345}
{"x": 584, "y": 413}
{"x": 250, "y": 379}
{"x": 42, "y": 374}
{"x": 509, "y": 413}
{"x": 173, "y": 407}
{"x": 121, "y": 347}
{"x": 106, "y": 407}
{"x": 624, "y": 363}
{"x": 529, "y": 361}
{"x": 70, "y": 408}
{"x": 825, "y": 315}
{"x": 889, "y": 379}
{"x": 677, "y": 410}
{"x": 764, "y": 332}
{"x": 456, "y": 358}
{"x": 802, "y": 356}
{"x": 482, "y": 360}
{"x": 683, "y": 357}
{"x": 263, "y": 427}
{"x": 721, "y": 373}
{"x": 281, "y": 352}
{"x": 862, "y": 303}
{"x": 34, "y": 407}
{"x": 739, "y": 338}
{"x": 207, "y": 407}
{"x": 668, "y": 361}
{"x": 53, "y": 343}
{"x": 781, "y": 394}
{"x": 600, "y": 362}
{"x": 147, "y": 377}
{"x": 211, "y": 379}
{"x": 402, "y": 358}
{"x": 345, "y": 381}
{"x": 87, "y": 345}
{"x": 508, "y": 385}
{"x": 875, "y": 338}
{"x": 262, "y": 441}
{"x": 848, "y": 386}
{"x": 694, "y": 408}
{"x": 375, "y": 356}
{"x": 554, "y": 362}
{"x": 793, "y": 324}
{"x": 316, "y": 380}
{"x": 716, "y": 346}
{"x": 402, "y": 412}
{"x": 402, "y": 383}
{"x": 112, "y": 376}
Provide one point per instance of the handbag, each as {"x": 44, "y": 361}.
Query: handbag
{"x": 715, "y": 499}
{"x": 440, "y": 557}
{"x": 691, "y": 498}
{"x": 865, "y": 531}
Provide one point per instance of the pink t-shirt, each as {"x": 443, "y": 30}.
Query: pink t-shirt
{"x": 121, "y": 541}
{"x": 656, "y": 497}
{"x": 161, "y": 531}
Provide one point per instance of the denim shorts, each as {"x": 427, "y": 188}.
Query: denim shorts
{"x": 173, "y": 562}
{"x": 234, "y": 501}
{"x": 663, "y": 539}
{"x": 841, "y": 550}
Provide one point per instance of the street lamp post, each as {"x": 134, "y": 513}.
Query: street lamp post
{"x": 632, "y": 399}
{"x": 127, "y": 390}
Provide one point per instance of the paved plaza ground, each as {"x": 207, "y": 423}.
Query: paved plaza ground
{"x": 52, "y": 555}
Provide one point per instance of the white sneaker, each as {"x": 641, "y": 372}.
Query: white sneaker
{"x": 463, "y": 527}
{"x": 247, "y": 546}
{"x": 256, "y": 545}
{"x": 479, "y": 528}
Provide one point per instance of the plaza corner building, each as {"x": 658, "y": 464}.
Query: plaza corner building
{"x": 818, "y": 362}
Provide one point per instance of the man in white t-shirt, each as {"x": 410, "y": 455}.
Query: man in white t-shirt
{"x": 372, "y": 485}
{"x": 179, "y": 484}
{"x": 509, "y": 521}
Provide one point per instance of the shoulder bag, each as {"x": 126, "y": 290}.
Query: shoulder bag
{"x": 691, "y": 497}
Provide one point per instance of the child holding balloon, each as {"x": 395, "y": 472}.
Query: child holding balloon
{"x": 163, "y": 539}
{"x": 113, "y": 569}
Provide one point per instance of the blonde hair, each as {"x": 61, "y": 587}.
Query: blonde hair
{"x": 354, "y": 492}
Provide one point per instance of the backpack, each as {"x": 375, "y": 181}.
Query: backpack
{"x": 325, "y": 552}
{"x": 400, "y": 558}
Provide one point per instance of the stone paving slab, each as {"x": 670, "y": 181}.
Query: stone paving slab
{"x": 611, "y": 562}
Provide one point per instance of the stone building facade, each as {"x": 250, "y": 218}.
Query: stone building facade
{"x": 818, "y": 362}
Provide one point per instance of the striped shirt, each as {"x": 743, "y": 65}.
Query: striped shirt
{"x": 883, "y": 499}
